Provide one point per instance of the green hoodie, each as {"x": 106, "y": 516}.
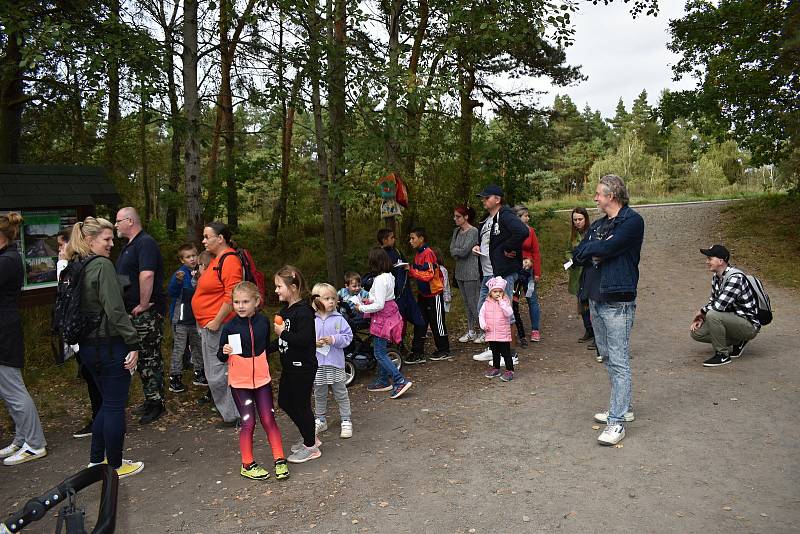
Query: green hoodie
{"x": 102, "y": 293}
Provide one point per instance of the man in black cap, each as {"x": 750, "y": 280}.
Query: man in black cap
{"x": 500, "y": 250}
{"x": 730, "y": 318}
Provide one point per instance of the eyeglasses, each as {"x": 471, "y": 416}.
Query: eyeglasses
{"x": 123, "y": 219}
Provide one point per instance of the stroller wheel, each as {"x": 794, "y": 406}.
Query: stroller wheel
{"x": 349, "y": 372}
{"x": 396, "y": 358}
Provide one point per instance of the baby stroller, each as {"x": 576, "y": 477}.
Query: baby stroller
{"x": 359, "y": 356}
{"x": 71, "y": 517}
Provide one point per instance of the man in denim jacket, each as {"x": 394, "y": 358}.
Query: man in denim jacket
{"x": 610, "y": 254}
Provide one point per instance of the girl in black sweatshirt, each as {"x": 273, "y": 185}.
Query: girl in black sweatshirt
{"x": 296, "y": 344}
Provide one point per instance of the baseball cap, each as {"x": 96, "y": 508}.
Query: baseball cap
{"x": 717, "y": 251}
{"x": 490, "y": 190}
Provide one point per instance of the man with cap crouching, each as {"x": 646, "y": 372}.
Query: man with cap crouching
{"x": 730, "y": 318}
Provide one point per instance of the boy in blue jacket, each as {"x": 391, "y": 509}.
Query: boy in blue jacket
{"x": 181, "y": 290}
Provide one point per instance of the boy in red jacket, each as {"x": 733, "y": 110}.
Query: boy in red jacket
{"x": 425, "y": 270}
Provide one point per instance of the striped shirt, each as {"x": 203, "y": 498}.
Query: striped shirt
{"x": 734, "y": 296}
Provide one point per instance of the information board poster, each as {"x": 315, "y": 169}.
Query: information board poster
{"x": 38, "y": 244}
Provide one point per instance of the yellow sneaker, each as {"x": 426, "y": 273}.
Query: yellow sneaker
{"x": 254, "y": 472}
{"x": 129, "y": 468}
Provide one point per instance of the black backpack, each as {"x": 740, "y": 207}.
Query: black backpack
{"x": 69, "y": 322}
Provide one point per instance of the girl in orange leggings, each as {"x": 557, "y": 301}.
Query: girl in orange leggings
{"x": 246, "y": 338}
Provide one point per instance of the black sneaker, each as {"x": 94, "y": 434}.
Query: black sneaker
{"x": 412, "y": 359}
{"x": 200, "y": 379}
{"x": 523, "y": 342}
{"x": 139, "y": 410}
{"x": 737, "y": 350}
{"x": 586, "y": 337}
{"x": 84, "y": 432}
{"x": 591, "y": 345}
{"x": 154, "y": 410}
{"x": 205, "y": 399}
{"x": 717, "y": 360}
{"x": 176, "y": 384}
{"x": 440, "y": 356}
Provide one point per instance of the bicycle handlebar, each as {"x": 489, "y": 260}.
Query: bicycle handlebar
{"x": 36, "y": 508}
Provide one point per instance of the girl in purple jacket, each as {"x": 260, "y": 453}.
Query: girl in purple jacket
{"x": 333, "y": 335}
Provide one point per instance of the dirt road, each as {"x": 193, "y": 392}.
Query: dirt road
{"x": 711, "y": 450}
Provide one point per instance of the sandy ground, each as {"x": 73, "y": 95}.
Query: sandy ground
{"x": 711, "y": 450}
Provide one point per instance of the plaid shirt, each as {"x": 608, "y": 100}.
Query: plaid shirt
{"x": 736, "y": 297}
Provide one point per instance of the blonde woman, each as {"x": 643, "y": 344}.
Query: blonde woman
{"x": 110, "y": 346}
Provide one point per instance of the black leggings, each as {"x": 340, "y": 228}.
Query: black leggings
{"x": 294, "y": 398}
{"x": 501, "y": 348}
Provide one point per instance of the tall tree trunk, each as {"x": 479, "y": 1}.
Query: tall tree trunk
{"x": 114, "y": 114}
{"x": 393, "y": 84}
{"x": 175, "y": 148}
{"x": 192, "y": 179}
{"x": 337, "y": 70}
{"x": 287, "y": 130}
{"x": 466, "y": 83}
{"x": 146, "y": 186}
{"x": 212, "y": 184}
{"x": 225, "y": 121}
{"x": 78, "y": 128}
{"x": 322, "y": 174}
{"x": 12, "y": 97}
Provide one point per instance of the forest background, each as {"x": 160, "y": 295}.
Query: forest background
{"x": 279, "y": 117}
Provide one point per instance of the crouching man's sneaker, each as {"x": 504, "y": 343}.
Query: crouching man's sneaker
{"x": 602, "y": 417}
{"x": 717, "y": 359}
{"x": 23, "y": 454}
{"x": 738, "y": 349}
{"x": 612, "y": 435}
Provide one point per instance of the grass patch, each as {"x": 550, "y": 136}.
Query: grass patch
{"x": 761, "y": 234}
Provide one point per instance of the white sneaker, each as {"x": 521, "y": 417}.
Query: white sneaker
{"x": 8, "y": 451}
{"x": 514, "y": 358}
{"x": 26, "y": 453}
{"x": 299, "y": 445}
{"x": 480, "y": 339}
{"x": 484, "y": 356}
{"x": 612, "y": 435}
{"x": 602, "y": 417}
{"x": 469, "y": 336}
{"x": 347, "y": 429}
{"x": 320, "y": 426}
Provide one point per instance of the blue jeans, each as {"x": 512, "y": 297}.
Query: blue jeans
{"x": 386, "y": 369}
{"x": 612, "y": 323}
{"x": 533, "y": 304}
{"x": 511, "y": 279}
{"x": 113, "y": 380}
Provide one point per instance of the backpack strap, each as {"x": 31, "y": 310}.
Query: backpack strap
{"x": 218, "y": 268}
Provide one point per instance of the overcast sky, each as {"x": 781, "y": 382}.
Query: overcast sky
{"x": 620, "y": 55}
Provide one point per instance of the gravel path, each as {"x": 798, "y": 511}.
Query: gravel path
{"x": 711, "y": 450}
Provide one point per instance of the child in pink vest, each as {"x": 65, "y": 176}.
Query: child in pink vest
{"x": 495, "y": 320}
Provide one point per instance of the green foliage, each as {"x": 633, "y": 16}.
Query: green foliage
{"x": 744, "y": 54}
{"x": 643, "y": 173}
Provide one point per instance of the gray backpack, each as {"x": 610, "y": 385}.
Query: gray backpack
{"x": 764, "y": 312}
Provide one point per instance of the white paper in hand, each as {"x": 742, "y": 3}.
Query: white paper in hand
{"x": 235, "y": 341}
{"x": 355, "y": 299}
{"x": 568, "y": 265}
{"x": 324, "y": 349}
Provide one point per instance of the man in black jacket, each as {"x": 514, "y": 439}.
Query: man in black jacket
{"x": 500, "y": 250}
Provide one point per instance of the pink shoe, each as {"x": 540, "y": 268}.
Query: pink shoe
{"x": 536, "y": 336}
